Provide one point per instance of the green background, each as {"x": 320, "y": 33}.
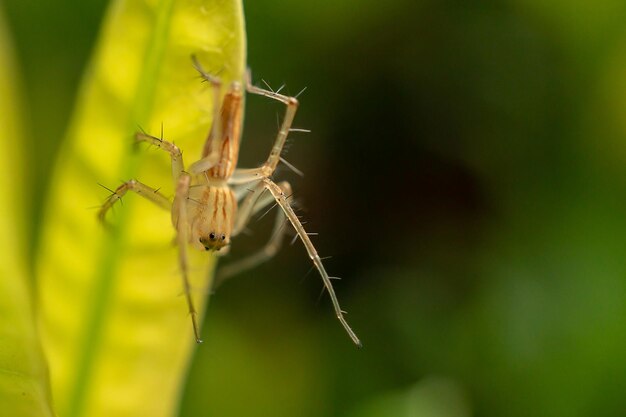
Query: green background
{"x": 465, "y": 171}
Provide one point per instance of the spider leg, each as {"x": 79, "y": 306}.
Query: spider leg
{"x": 139, "y": 188}
{"x": 181, "y": 222}
{"x": 177, "y": 156}
{"x": 216, "y": 85}
{"x": 282, "y": 200}
{"x": 263, "y": 174}
{"x": 290, "y": 113}
{"x": 252, "y": 205}
{"x": 247, "y": 207}
{"x": 242, "y": 176}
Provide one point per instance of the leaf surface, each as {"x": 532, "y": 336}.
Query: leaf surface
{"x": 24, "y": 389}
{"x": 115, "y": 326}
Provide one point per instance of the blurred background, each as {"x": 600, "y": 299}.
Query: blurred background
{"x": 466, "y": 173}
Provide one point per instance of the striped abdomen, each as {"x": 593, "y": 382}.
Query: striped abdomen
{"x": 227, "y": 139}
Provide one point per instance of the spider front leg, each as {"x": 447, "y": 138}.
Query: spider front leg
{"x": 282, "y": 200}
{"x": 141, "y": 189}
{"x": 181, "y": 222}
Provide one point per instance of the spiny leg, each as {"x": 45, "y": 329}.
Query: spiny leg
{"x": 181, "y": 220}
{"x": 290, "y": 113}
{"x": 282, "y": 201}
{"x": 182, "y": 182}
{"x": 272, "y": 246}
{"x": 263, "y": 173}
{"x": 246, "y": 207}
{"x": 141, "y": 189}
{"x": 177, "y": 156}
{"x": 267, "y": 169}
{"x": 216, "y": 84}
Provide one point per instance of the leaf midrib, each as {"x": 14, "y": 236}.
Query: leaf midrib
{"x": 106, "y": 278}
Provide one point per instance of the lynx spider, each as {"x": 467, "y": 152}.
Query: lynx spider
{"x": 211, "y": 204}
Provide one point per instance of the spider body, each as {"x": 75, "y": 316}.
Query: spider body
{"x": 211, "y": 219}
{"x": 214, "y": 200}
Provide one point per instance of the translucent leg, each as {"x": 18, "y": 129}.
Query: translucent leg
{"x": 175, "y": 153}
{"x": 181, "y": 221}
{"x": 245, "y": 211}
{"x": 281, "y": 199}
{"x": 216, "y": 84}
{"x": 290, "y": 113}
{"x": 242, "y": 176}
{"x": 141, "y": 189}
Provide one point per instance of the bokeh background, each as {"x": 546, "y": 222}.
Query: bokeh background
{"x": 465, "y": 171}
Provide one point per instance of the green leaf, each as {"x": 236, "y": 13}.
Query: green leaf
{"x": 24, "y": 389}
{"x": 433, "y": 396}
{"x": 114, "y": 324}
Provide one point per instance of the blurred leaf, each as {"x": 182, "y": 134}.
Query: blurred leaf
{"x": 24, "y": 389}
{"x": 114, "y": 325}
{"x": 431, "y": 397}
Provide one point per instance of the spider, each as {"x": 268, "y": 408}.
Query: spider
{"x": 211, "y": 203}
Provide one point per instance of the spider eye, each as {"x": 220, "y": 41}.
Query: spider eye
{"x": 204, "y": 243}
{"x": 223, "y": 237}
{"x": 212, "y": 236}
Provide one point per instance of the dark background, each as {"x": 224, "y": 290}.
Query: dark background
{"x": 465, "y": 171}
